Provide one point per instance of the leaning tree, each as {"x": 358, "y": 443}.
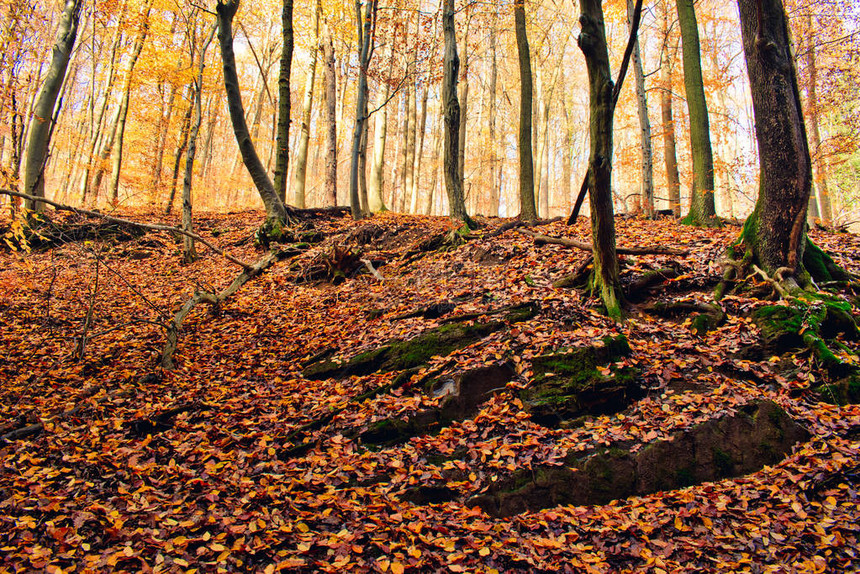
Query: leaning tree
{"x": 774, "y": 238}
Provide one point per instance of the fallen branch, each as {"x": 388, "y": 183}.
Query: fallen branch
{"x": 545, "y": 240}
{"x": 515, "y": 224}
{"x": 215, "y": 299}
{"x": 150, "y": 226}
{"x": 578, "y": 277}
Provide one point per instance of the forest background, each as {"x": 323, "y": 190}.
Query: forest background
{"x": 125, "y": 112}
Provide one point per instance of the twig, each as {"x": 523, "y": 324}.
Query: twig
{"x": 151, "y": 226}
{"x": 372, "y": 269}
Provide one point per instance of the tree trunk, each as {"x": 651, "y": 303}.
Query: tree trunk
{"x": 276, "y": 212}
{"x": 376, "y": 201}
{"x": 123, "y": 114}
{"x": 411, "y": 133}
{"x": 451, "y": 68}
{"x": 434, "y": 163}
{"x": 492, "y": 88}
{"x": 670, "y": 156}
{"x": 282, "y": 137}
{"x": 189, "y": 253}
{"x": 464, "y": 104}
{"x": 39, "y": 139}
{"x": 644, "y": 124}
{"x": 419, "y": 151}
{"x": 184, "y": 132}
{"x": 592, "y": 42}
{"x": 528, "y": 209}
{"x": 819, "y": 163}
{"x": 330, "y": 80}
{"x": 776, "y": 231}
{"x": 702, "y": 208}
{"x": 366, "y": 23}
{"x": 301, "y": 168}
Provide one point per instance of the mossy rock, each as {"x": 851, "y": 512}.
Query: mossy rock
{"x": 570, "y": 385}
{"x": 461, "y": 398}
{"x": 398, "y": 355}
{"x": 760, "y": 434}
{"x": 843, "y": 392}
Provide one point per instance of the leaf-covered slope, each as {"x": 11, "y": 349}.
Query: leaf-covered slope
{"x": 198, "y": 467}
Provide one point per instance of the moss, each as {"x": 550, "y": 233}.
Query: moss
{"x": 684, "y": 477}
{"x": 437, "y": 342}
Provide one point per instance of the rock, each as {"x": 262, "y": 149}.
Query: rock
{"x": 570, "y": 385}
{"x": 760, "y": 434}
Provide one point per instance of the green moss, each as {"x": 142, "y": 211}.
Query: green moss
{"x": 684, "y": 477}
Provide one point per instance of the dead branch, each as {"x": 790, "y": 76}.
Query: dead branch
{"x": 215, "y": 299}
{"x": 774, "y": 283}
{"x": 150, "y": 226}
{"x": 545, "y": 240}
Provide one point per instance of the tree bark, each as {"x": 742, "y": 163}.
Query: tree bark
{"x": 330, "y": 80}
{"x": 409, "y": 157}
{"x": 184, "y": 132}
{"x": 39, "y": 139}
{"x": 276, "y": 213}
{"x": 528, "y": 209}
{"x": 301, "y": 169}
{"x": 282, "y": 138}
{"x": 464, "y": 103}
{"x": 776, "y": 231}
{"x": 451, "y": 68}
{"x": 644, "y": 124}
{"x": 592, "y": 42}
{"x": 702, "y": 209}
{"x": 376, "y": 201}
{"x": 419, "y": 151}
{"x": 492, "y": 88}
{"x": 366, "y": 23}
{"x": 819, "y": 164}
{"x": 670, "y": 155}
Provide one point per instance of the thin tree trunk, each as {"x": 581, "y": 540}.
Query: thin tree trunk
{"x": 123, "y": 114}
{"x": 451, "y": 67}
{"x": 301, "y": 168}
{"x": 702, "y": 209}
{"x": 39, "y": 139}
{"x": 592, "y": 42}
{"x": 276, "y": 212}
{"x": 366, "y": 26}
{"x": 528, "y": 209}
{"x": 437, "y": 153}
{"x": 376, "y": 200}
{"x": 282, "y": 138}
{"x": 644, "y": 124}
{"x": 464, "y": 102}
{"x": 812, "y": 117}
{"x": 409, "y": 156}
{"x": 184, "y": 132}
{"x": 492, "y": 88}
{"x": 670, "y": 156}
{"x": 419, "y": 151}
{"x": 330, "y": 80}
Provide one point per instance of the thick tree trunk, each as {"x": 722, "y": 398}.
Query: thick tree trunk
{"x": 301, "y": 168}
{"x": 451, "y": 67}
{"x": 39, "y": 139}
{"x": 702, "y": 209}
{"x": 528, "y": 209}
{"x": 644, "y": 124}
{"x": 282, "y": 138}
{"x": 592, "y": 42}
{"x": 330, "y": 80}
{"x": 276, "y": 212}
{"x": 776, "y": 231}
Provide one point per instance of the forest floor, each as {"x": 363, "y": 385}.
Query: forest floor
{"x": 237, "y": 461}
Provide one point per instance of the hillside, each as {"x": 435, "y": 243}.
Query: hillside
{"x": 390, "y": 397}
